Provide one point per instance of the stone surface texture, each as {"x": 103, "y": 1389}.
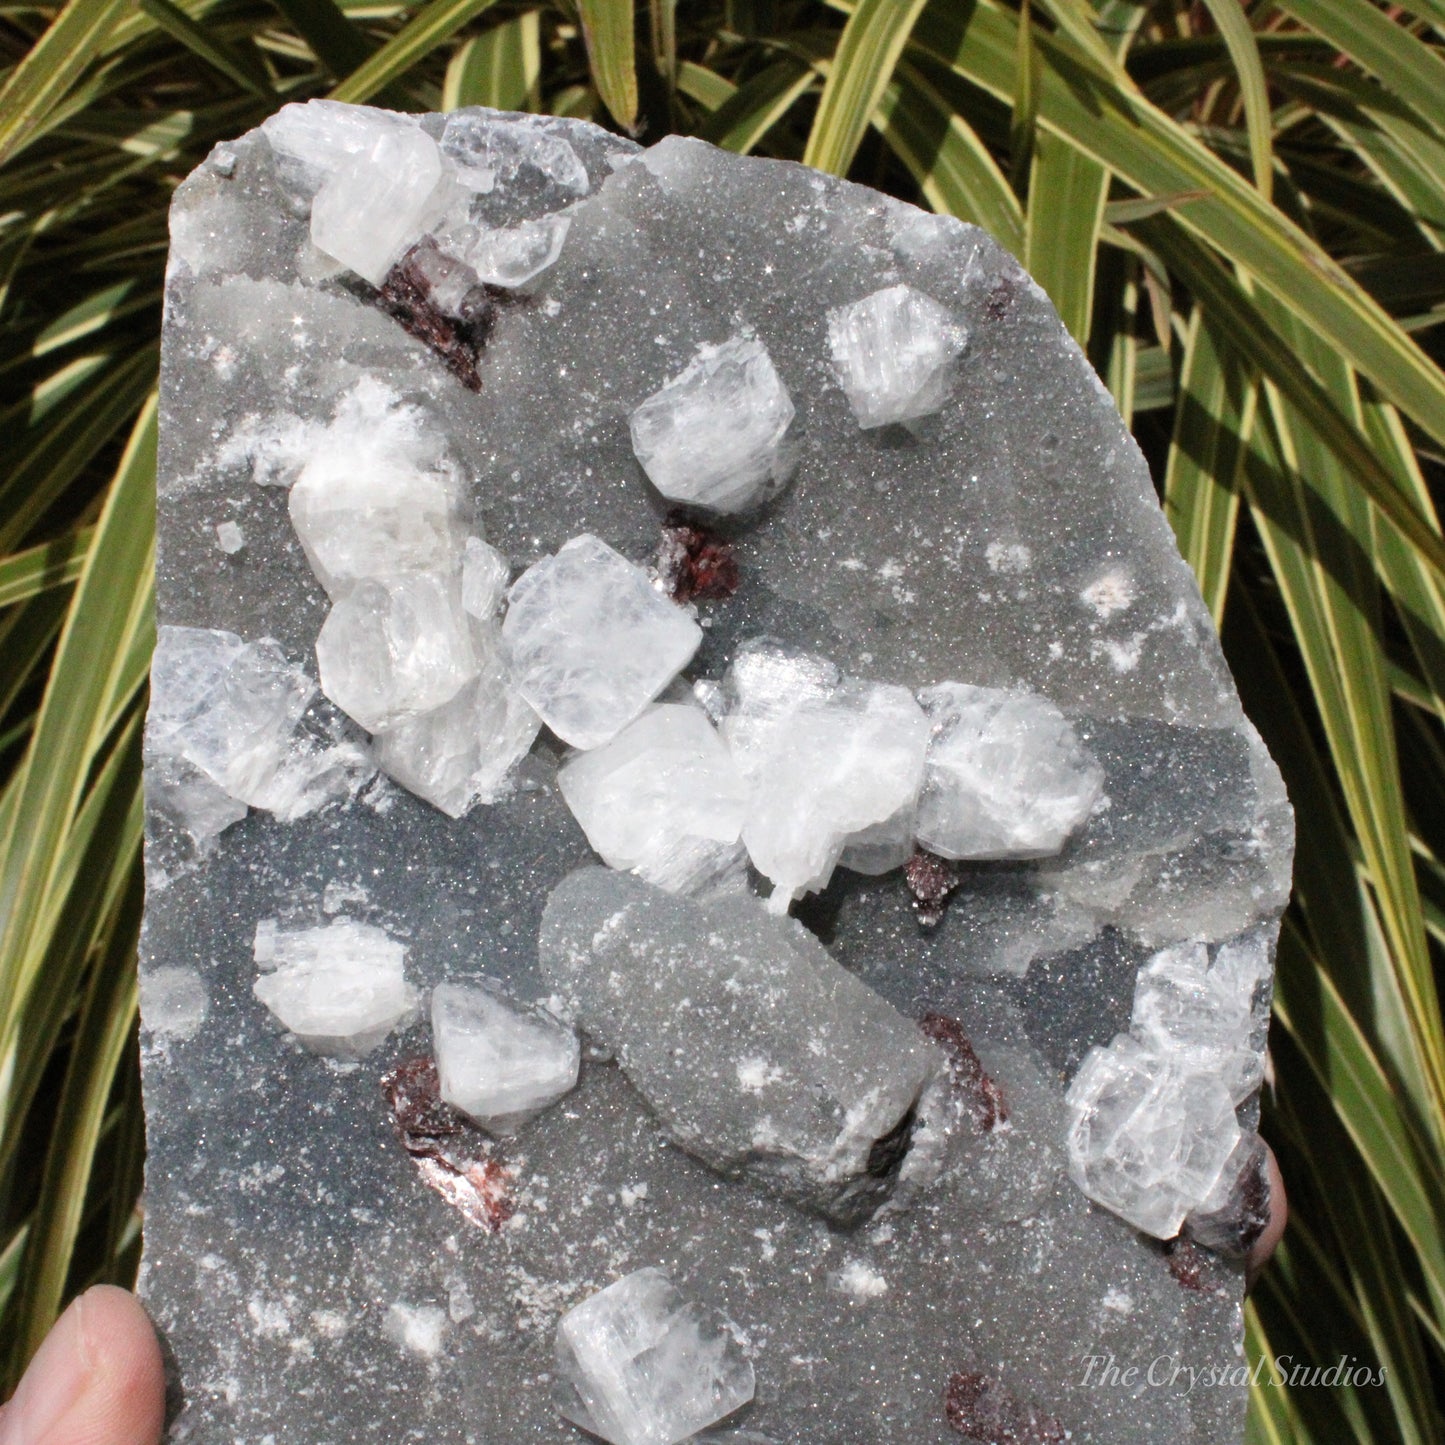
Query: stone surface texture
{"x": 858, "y": 1141}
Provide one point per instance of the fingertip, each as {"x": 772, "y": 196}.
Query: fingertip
{"x": 1265, "y": 1245}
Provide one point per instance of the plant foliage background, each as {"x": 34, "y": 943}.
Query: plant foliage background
{"x": 1238, "y": 207}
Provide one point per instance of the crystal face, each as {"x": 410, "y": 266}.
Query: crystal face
{"x": 639, "y": 1364}
{"x": 904, "y": 1139}
{"x": 498, "y": 1063}
{"x": 713, "y": 436}
{"x": 340, "y": 989}
{"x": 1006, "y": 776}
{"x": 591, "y": 642}
{"x": 893, "y": 352}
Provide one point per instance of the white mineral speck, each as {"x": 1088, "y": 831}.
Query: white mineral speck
{"x": 420, "y": 1329}
{"x": 230, "y": 538}
{"x": 1113, "y": 592}
{"x": 859, "y": 1279}
{"x": 174, "y": 1001}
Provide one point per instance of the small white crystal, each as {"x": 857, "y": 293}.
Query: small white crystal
{"x": 827, "y": 760}
{"x": 485, "y": 573}
{"x": 1007, "y": 777}
{"x": 463, "y": 751}
{"x": 509, "y": 255}
{"x": 379, "y": 201}
{"x": 1146, "y": 1139}
{"x": 713, "y": 436}
{"x": 340, "y": 989}
{"x": 225, "y": 707}
{"x": 230, "y": 538}
{"x": 640, "y": 1364}
{"x": 377, "y": 494}
{"x": 393, "y": 648}
{"x": 664, "y": 780}
{"x": 491, "y": 153}
{"x": 499, "y": 1064}
{"x": 190, "y": 799}
{"x": 893, "y": 353}
{"x": 592, "y": 642}
{"x": 324, "y": 134}
{"x": 1200, "y": 1018}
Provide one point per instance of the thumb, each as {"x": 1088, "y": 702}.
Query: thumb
{"x": 97, "y": 1379}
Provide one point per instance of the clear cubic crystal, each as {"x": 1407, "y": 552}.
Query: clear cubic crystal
{"x": 498, "y": 1063}
{"x": 640, "y": 1364}
{"x": 464, "y": 751}
{"x": 340, "y": 989}
{"x": 714, "y": 436}
{"x": 495, "y": 154}
{"x": 395, "y": 647}
{"x": 1146, "y": 1139}
{"x": 893, "y": 354}
{"x": 825, "y": 758}
{"x": 1007, "y": 776}
{"x": 227, "y": 708}
{"x": 230, "y": 538}
{"x": 380, "y": 200}
{"x": 592, "y": 642}
{"x": 665, "y": 782}
{"x": 485, "y": 573}
{"x": 756, "y": 1051}
{"x": 377, "y": 495}
{"x": 509, "y": 256}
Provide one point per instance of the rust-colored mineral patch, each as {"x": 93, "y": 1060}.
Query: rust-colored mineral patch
{"x": 693, "y": 564}
{"x": 969, "y": 1074}
{"x": 982, "y": 1409}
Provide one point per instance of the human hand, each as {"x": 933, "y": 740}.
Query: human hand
{"x": 1264, "y": 1246}
{"x": 97, "y": 1379}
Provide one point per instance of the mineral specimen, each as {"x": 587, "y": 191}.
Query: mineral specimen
{"x": 591, "y": 642}
{"x": 340, "y": 989}
{"x": 916, "y": 648}
{"x": 642, "y": 1365}
{"x": 499, "y": 1064}
{"x": 714, "y": 436}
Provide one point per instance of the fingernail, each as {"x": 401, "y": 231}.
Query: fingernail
{"x": 55, "y": 1381}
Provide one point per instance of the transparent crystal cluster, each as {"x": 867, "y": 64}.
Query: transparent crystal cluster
{"x": 715, "y": 435}
{"x": 499, "y": 1063}
{"x": 1152, "y": 1116}
{"x": 638, "y": 1363}
{"x": 341, "y": 989}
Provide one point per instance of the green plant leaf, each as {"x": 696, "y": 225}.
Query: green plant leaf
{"x": 742, "y": 121}
{"x": 51, "y": 564}
{"x": 609, "y": 29}
{"x": 862, "y": 66}
{"x": 501, "y": 67}
{"x": 429, "y": 29}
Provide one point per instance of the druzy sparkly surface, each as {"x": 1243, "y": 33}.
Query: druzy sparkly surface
{"x": 326, "y": 1269}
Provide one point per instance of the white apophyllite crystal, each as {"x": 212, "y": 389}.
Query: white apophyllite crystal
{"x": 714, "y": 436}
{"x": 463, "y": 752}
{"x": 230, "y": 538}
{"x": 640, "y": 1364}
{"x": 499, "y": 1064}
{"x": 381, "y": 200}
{"x": 395, "y": 647}
{"x": 509, "y": 255}
{"x": 1199, "y": 1017}
{"x": 827, "y": 759}
{"x": 1147, "y": 1139}
{"x": 225, "y": 707}
{"x": 377, "y": 494}
{"x": 1007, "y": 777}
{"x": 893, "y": 353}
{"x": 485, "y": 572}
{"x": 322, "y": 135}
{"x": 591, "y": 642}
{"x": 663, "y": 785}
{"x": 492, "y": 154}
{"x": 340, "y": 989}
